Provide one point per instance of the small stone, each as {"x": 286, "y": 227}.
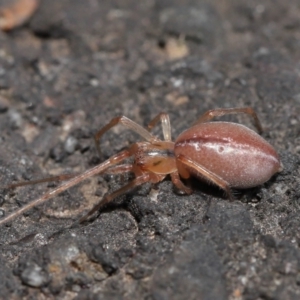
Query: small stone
{"x": 33, "y": 275}
{"x": 70, "y": 144}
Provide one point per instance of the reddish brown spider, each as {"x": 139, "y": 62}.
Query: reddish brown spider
{"x": 225, "y": 154}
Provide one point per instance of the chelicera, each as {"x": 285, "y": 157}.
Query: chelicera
{"x": 229, "y": 155}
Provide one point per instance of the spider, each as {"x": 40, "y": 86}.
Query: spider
{"x": 226, "y": 154}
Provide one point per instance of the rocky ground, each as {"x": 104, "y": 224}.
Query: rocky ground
{"x": 74, "y": 66}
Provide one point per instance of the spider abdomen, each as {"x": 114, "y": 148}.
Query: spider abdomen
{"x": 231, "y": 151}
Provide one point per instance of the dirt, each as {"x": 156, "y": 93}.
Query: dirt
{"x": 75, "y": 65}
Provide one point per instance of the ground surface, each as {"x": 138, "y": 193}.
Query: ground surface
{"x": 76, "y": 65}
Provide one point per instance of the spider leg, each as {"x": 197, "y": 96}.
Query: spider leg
{"x": 115, "y": 159}
{"x": 125, "y": 168}
{"x": 206, "y": 174}
{"x": 134, "y": 183}
{"x": 62, "y": 177}
{"x": 165, "y": 123}
{"x": 228, "y": 111}
{"x": 179, "y": 184}
{"x": 129, "y": 124}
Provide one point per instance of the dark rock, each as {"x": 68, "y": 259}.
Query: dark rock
{"x": 194, "y": 269}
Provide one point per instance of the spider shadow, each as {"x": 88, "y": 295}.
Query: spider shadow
{"x": 201, "y": 187}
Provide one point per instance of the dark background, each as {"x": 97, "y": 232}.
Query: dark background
{"x": 74, "y": 66}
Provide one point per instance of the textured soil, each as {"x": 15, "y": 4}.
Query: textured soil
{"x": 74, "y": 66}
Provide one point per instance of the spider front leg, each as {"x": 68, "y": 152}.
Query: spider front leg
{"x": 129, "y": 124}
{"x": 62, "y": 177}
{"x": 125, "y": 168}
{"x": 115, "y": 159}
{"x": 228, "y": 111}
